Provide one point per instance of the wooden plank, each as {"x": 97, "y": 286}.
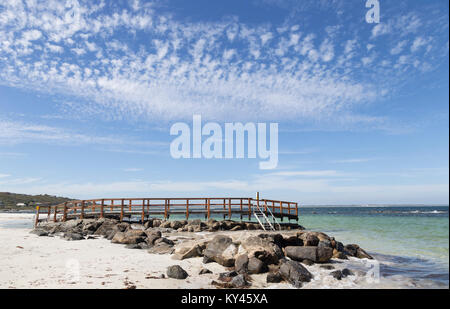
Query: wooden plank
{"x": 122, "y": 204}
{"x": 82, "y": 210}
{"x": 101, "y": 209}
{"x": 187, "y": 209}
{"x": 65, "y": 212}
{"x": 229, "y": 209}
{"x": 56, "y": 211}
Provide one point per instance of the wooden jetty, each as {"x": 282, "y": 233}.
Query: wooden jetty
{"x": 143, "y": 209}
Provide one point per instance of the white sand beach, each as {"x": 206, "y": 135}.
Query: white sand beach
{"x": 30, "y": 261}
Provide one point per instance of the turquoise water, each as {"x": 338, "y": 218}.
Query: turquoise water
{"x": 413, "y": 241}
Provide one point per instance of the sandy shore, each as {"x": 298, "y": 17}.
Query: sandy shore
{"x": 30, "y": 261}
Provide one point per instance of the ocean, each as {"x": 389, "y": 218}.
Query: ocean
{"x": 411, "y": 243}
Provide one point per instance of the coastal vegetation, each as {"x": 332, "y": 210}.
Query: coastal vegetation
{"x": 10, "y": 200}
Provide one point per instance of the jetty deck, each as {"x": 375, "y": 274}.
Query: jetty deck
{"x": 145, "y": 208}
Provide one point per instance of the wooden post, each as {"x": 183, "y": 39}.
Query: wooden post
{"x": 209, "y": 208}
{"x": 48, "y": 213}
{"x": 121, "y": 210}
{"x": 36, "y": 222}
{"x": 165, "y": 209}
{"x": 224, "y": 208}
{"x": 54, "y": 216}
{"x": 229, "y": 208}
{"x": 65, "y": 212}
{"x": 82, "y": 210}
{"x": 143, "y": 211}
{"x": 168, "y": 208}
{"x": 249, "y": 209}
{"x": 187, "y": 209}
{"x": 241, "y": 208}
{"x": 101, "y": 209}
{"x": 112, "y": 205}
{"x": 129, "y": 206}
{"x": 289, "y": 208}
{"x": 296, "y": 210}
{"x": 265, "y": 206}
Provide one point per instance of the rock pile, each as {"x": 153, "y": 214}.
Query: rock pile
{"x": 281, "y": 256}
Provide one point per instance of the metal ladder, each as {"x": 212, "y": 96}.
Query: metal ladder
{"x": 263, "y": 221}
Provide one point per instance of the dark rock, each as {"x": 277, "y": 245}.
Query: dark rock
{"x": 324, "y": 243}
{"x": 204, "y": 271}
{"x": 311, "y": 240}
{"x": 207, "y": 260}
{"x": 148, "y": 224}
{"x": 73, "y": 236}
{"x": 274, "y": 278}
{"x": 176, "y": 272}
{"x": 361, "y": 254}
{"x": 222, "y": 250}
{"x": 227, "y": 276}
{"x": 295, "y": 273}
{"x": 39, "y": 232}
{"x": 241, "y": 264}
{"x": 292, "y": 241}
{"x": 351, "y": 249}
{"x": 176, "y": 225}
{"x": 239, "y": 281}
{"x": 129, "y": 237}
{"x": 337, "y": 274}
{"x": 301, "y": 253}
{"x": 324, "y": 254}
{"x": 339, "y": 246}
{"x": 329, "y": 267}
{"x": 256, "y": 266}
{"x": 347, "y": 272}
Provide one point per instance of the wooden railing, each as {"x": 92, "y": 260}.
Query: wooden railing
{"x": 146, "y": 207}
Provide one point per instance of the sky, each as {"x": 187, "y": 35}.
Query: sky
{"x": 89, "y": 91}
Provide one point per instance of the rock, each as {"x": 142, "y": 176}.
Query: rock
{"x": 361, "y": 254}
{"x": 148, "y": 224}
{"x": 307, "y": 262}
{"x": 73, "y": 236}
{"x": 152, "y": 236}
{"x": 163, "y": 240}
{"x": 39, "y": 232}
{"x": 207, "y": 260}
{"x": 176, "y": 225}
{"x": 256, "y": 266}
{"x": 176, "y": 272}
{"x": 130, "y": 237}
{"x": 325, "y": 243}
{"x": 301, "y": 253}
{"x": 311, "y": 240}
{"x": 165, "y": 224}
{"x": 295, "y": 273}
{"x": 156, "y": 222}
{"x": 204, "y": 271}
{"x": 324, "y": 254}
{"x": 239, "y": 281}
{"x": 329, "y": 267}
{"x": 188, "y": 252}
{"x": 236, "y": 228}
{"x": 339, "y": 255}
{"x": 339, "y": 246}
{"x": 222, "y": 250}
{"x": 292, "y": 241}
{"x": 241, "y": 264}
{"x": 351, "y": 250}
{"x": 347, "y": 272}
{"x": 161, "y": 248}
{"x": 314, "y": 254}
{"x": 274, "y": 278}
{"x": 263, "y": 249}
{"x": 337, "y": 274}
{"x": 227, "y": 276}
{"x": 135, "y": 226}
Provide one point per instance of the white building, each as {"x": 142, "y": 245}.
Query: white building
{"x": 21, "y": 204}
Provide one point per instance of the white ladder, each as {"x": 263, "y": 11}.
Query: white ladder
{"x": 263, "y": 221}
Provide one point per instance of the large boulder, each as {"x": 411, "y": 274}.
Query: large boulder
{"x": 256, "y": 266}
{"x": 130, "y": 237}
{"x": 188, "y": 252}
{"x": 222, "y": 250}
{"x": 313, "y": 254}
{"x": 161, "y": 248}
{"x": 176, "y": 272}
{"x": 295, "y": 273}
{"x": 262, "y": 249}
{"x": 241, "y": 264}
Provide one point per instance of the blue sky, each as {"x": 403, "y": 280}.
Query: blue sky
{"x": 88, "y": 92}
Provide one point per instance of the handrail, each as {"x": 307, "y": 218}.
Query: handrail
{"x": 243, "y": 206}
